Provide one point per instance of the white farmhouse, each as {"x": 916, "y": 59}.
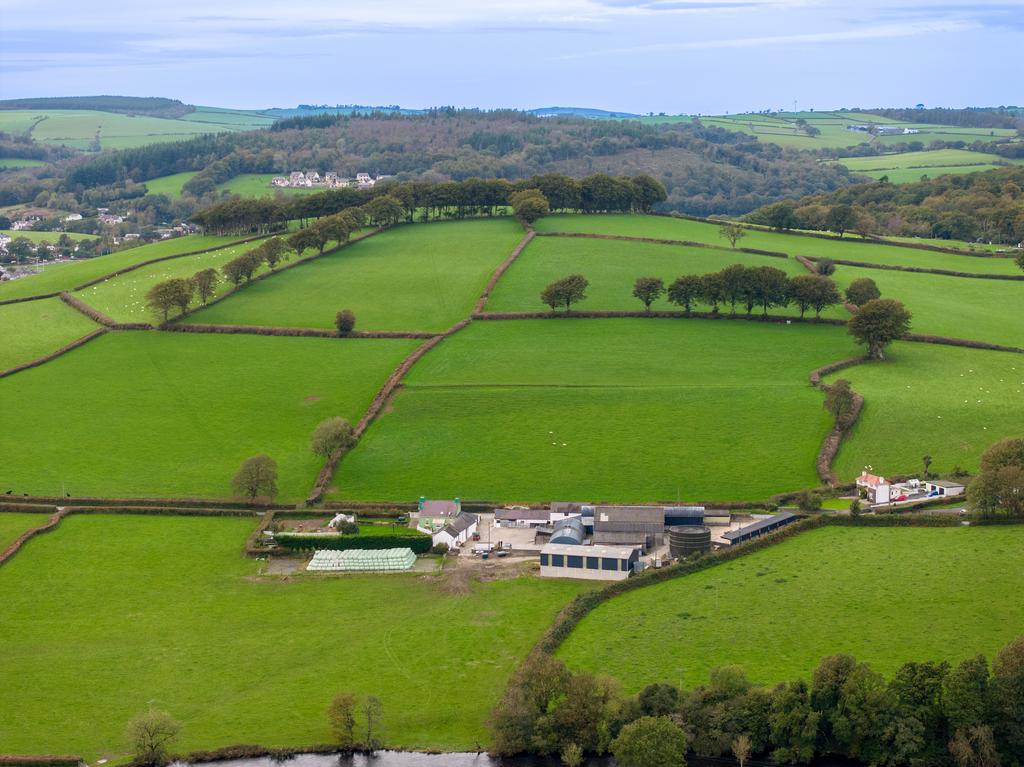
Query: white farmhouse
{"x": 877, "y": 488}
{"x": 458, "y": 531}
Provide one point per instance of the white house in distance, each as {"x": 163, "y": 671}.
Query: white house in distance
{"x": 456, "y": 532}
{"x": 877, "y": 488}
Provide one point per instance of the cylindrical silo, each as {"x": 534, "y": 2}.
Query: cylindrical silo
{"x": 690, "y": 539}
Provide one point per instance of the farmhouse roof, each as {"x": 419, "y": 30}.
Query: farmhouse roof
{"x": 460, "y": 524}
{"x": 637, "y": 537}
{"x": 761, "y": 524}
{"x": 513, "y": 514}
{"x": 567, "y": 507}
{"x": 631, "y": 513}
{"x": 871, "y": 480}
{"x": 439, "y": 509}
{"x": 944, "y": 483}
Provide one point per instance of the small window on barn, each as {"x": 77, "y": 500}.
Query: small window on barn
{"x": 575, "y": 561}
{"x": 593, "y": 563}
{"x": 544, "y": 560}
{"x": 609, "y": 563}
{"x": 557, "y": 560}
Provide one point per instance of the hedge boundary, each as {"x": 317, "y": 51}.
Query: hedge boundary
{"x": 830, "y": 445}
{"x": 54, "y": 354}
{"x": 420, "y": 544}
{"x": 661, "y": 241}
{"x": 24, "y": 299}
{"x": 263, "y": 330}
{"x": 46, "y": 760}
{"x": 52, "y": 522}
{"x": 502, "y": 268}
{"x": 316, "y": 494}
{"x": 93, "y": 314}
{"x": 925, "y": 339}
{"x": 162, "y": 503}
{"x": 920, "y": 269}
{"x": 591, "y": 315}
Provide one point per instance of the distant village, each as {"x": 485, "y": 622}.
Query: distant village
{"x": 330, "y": 180}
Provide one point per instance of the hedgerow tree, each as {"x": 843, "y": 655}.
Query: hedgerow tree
{"x": 731, "y": 232}
{"x": 341, "y": 717}
{"x": 712, "y": 290}
{"x": 999, "y": 485}
{"x": 345, "y": 322}
{"x": 331, "y": 434}
{"x": 650, "y": 741}
{"x": 257, "y": 477}
{"x": 272, "y": 251}
{"x": 565, "y": 292}
{"x": 840, "y": 218}
{"x": 529, "y": 205}
{"x": 161, "y": 299}
{"x": 772, "y": 287}
{"x": 150, "y": 736}
{"x": 205, "y": 282}
{"x": 878, "y": 323}
{"x": 303, "y": 240}
{"x": 732, "y": 283}
{"x": 811, "y": 291}
{"x": 685, "y": 291}
{"x": 825, "y": 266}
{"x": 839, "y": 399}
{"x": 384, "y": 210}
{"x": 862, "y": 290}
{"x": 648, "y": 290}
{"x": 373, "y": 710}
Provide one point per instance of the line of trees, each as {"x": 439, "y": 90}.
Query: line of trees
{"x": 927, "y": 713}
{"x": 597, "y": 193}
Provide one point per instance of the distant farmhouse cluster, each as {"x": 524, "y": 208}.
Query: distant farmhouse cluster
{"x": 881, "y": 492}
{"x": 330, "y": 180}
{"x": 883, "y": 130}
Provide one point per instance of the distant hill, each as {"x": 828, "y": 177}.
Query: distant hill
{"x": 151, "y": 107}
{"x": 597, "y": 114}
{"x": 306, "y": 110}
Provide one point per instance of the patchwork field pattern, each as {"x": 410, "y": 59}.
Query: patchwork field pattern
{"x": 885, "y": 595}
{"x": 175, "y": 609}
{"x": 534, "y": 410}
{"x": 174, "y": 415}
{"x": 420, "y": 277}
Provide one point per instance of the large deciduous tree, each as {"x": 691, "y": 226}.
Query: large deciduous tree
{"x": 205, "y": 282}
{"x": 256, "y": 478}
{"x": 331, "y": 434}
{"x": 565, "y": 292}
{"x": 999, "y": 485}
{"x": 841, "y": 219}
{"x": 648, "y": 290}
{"x": 862, "y": 290}
{"x": 878, "y": 323}
{"x": 529, "y": 205}
{"x": 150, "y": 736}
{"x": 686, "y": 291}
{"x": 731, "y": 232}
{"x": 650, "y": 741}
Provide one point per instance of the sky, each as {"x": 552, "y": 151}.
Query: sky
{"x": 672, "y": 56}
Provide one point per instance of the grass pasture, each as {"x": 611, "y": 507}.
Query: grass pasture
{"x": 602, "y": 410}
{"x": 67, "y": 275}
{"x": 956, "y": 307}
{"x": 666, "y": 227}
{"x": 612, "y": 266}
{"x": 947, "y": 402}
{"x": 237, "y": 658}
{"x": 258, "y": 185}
{"x": 34, "y": 328}
{"x": 13, "y": 163}
{"x": 885, "y": 595}
{"x": 419, "y": 277}
{"x": 910, "y": 166}
{"x": 169, "y": 185}
{"x": 174, "y": 415}
{"x": 124, "y": 297}
{"x": 50, "y": 237}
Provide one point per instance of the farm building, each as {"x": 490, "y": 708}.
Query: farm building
{"x": 603, "y": 563}
{"x": 521, "y": 517}
{"x": 685, "y": 540}
{"x": 877, "y": 488}
{"x": 458, "y": 531}
{"x": 433, "y": 515}
{"x": 633, "y": 525}
{"x": 943, "y": 487}
{"x": 684, "y": 515}
{"x": 761, "y": 527}
{"x": 568, "y": 531}
{"x": 362, "y": 560}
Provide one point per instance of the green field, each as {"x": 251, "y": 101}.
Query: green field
{"x": 780, "y": 128}
{"x": 143, "y": 613}
{"x": 124, "y": 297}
{"x": 13, "y": 524}
{"x": 941, "y": 401}
{"x": 174, "y": 415}
{"x": 886, "y": 596}
{"x": 603, "y": 410}
{"x": 932, "y": 163}
{"x": 13, "y": 163}
{"x": 258, "y": 185}
{"x": 852, "y": 249}
{"x": 169, "y": 185}
{"x": 956, "y": 307}
{"x": 34, "y": 328}
{"x": 612, "y": 267}
{"x": 78, "y": 128}
{"x": 50, "y": 237}
{"x": 418, "y": 277}
{"x": 70, "y": 274}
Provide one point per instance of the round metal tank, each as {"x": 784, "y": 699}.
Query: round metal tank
{"x": 689, "y": 539}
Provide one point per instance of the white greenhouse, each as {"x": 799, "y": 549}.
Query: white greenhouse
{"x": 361, "y": 560}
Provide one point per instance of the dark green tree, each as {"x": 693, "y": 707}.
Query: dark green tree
{"x": 862, "y": 290}
{"x": 878, "y": 323}
{"x": 651, "y": 741}
{"x": 686, "y": 291}
{"x": 648, "y": 290}
{"x": 840, "y": 218}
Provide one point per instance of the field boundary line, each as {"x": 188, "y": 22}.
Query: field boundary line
{"x": 657, "y": 315}
{"x": 263, "y": 330}
{"x": 54, "y": 354}
{"x": 918, "y": 269}
{"x": 53, "y": 520}
{"x": 502, "y": 268}
{"x": 830, "y": 445}
{"x": 24, "y": 299}
{"x": 376, "y": 406}
{"x": 661, "y": 241}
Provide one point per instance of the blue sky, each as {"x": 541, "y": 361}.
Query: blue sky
{"x": 674, "y": 56}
